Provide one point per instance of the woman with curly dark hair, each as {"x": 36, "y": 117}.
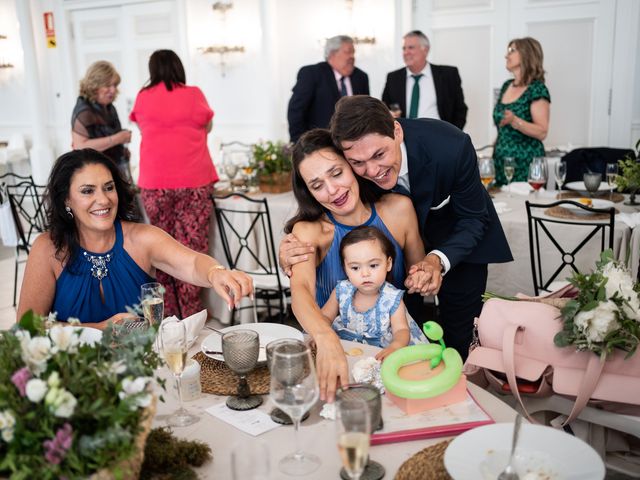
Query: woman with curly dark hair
{"x": 91, "y": 261}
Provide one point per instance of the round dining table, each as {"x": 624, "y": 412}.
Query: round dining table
{"x": 317, "y": 435}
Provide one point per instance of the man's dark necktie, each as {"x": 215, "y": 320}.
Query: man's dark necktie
{"x": 343, "y": 87}
{"x": 415, "y": 96}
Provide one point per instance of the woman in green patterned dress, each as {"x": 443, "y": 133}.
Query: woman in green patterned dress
{"x": 522, "y": 112}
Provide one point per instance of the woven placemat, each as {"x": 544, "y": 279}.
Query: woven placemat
{"x": 217, "y": 379}
{"x": 427, "y": 463}
{"x": 615, "y": 198}
{"x": 561, "y": 212}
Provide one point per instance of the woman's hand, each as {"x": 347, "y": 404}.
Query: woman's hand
{"x": 331, "y": 363}
{"x": 231, "y": 285}
{"x": 507, "y": 118}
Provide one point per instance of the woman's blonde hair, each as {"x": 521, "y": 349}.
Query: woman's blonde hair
{"x": 99, "y": 74}
{"x": 531, "y": 59}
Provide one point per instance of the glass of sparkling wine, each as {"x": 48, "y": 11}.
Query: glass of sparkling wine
{"x": 173, "y": 345}
{"x": 509, "y": 170}
{"x": 612, "y": 175}
{"x": 487, "y": 171}
{"x": 294, "y": 389}
{"x": 352, "y": 428}
{"x": 152, "y": 299}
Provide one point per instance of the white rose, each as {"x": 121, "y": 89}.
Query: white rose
{"x": 7, "y": 434}
{"x": 36, "y": 352}
{"x": 599, "y": 322}
{"x": 619, "y": 281}
{"x": 36, "y": 389}
{"x": 64, "y": 339}
{"x": 118, "y": 367}
{"x": 9, "y": 419}
{"x": 136, "y": 387}
{"x": 61, "y": 402}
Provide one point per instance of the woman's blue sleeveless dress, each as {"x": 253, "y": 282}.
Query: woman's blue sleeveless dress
{"x": 78, "y": 287}
{"x": 330, "y": 270}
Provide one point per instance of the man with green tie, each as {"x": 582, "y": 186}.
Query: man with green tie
{"x": 424, "y": 90}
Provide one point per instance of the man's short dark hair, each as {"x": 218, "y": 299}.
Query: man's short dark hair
{"x": 360, "y": 115}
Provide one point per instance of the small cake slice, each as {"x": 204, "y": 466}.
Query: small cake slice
{"x": 585, "y": 201}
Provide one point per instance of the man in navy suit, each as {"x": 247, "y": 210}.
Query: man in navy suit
{"x": 437, "y": 88}
{"x": 435, "y": 164}
{"x": 320, "y": 86}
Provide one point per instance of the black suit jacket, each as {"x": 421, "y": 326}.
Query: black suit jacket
{"x": 315, "y": 95}
{"x": 450, "y": 99}
{"x": 455, "y": 212}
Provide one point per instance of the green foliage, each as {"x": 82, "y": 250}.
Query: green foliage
{"x": 167, "y": 457}
{"x": 272, "y": 157}
{"x": 103, "y": 417}
{"x": 629, "y": 176}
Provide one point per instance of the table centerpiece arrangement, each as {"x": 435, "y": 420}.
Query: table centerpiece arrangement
{"x": 272, "y": 161}
{"x": 629, "y": 175}
{"x": 74, "y": 407}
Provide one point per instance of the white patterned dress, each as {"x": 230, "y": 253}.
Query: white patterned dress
{"x": 374, "y": 325}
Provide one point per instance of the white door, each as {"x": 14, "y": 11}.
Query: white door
{"x": 125, "y": 35}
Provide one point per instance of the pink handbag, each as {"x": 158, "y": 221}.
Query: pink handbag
{"x": 516, "y": 339}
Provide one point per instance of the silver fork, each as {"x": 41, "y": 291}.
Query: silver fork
{"x": 509, "y": 473}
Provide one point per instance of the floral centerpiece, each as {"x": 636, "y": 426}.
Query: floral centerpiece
{"x": 629, "y": 177}
{"x": 605, "y": 314}
{"x": 68, "y": 407}
{"x": 272, "y": 162}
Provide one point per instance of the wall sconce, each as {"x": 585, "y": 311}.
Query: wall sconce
{"x": 3, "y": 60}
{"x": 222, "y": 50}
{"x": 364, "y": 40}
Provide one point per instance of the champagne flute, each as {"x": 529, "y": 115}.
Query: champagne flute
{"x": 152, "y": 299}
{"x": 173, "y": 345}
{"x": 537, "y": 174}
{"x": 612, "y": 176}
{"x": 294, "y": 389}
{"x": 561, "y": 173}
{"x": 352, "y": 428}
{"x": 509, "y": 170}
{"x": 487, "y": 171}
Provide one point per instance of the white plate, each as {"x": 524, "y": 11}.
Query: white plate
{"x": 579, "y": 187}
{"x": 89, "y": 335}
{"x": 542, "y": 452}
{"x": 595, "y": 203}
{"x": 266, "y": 331}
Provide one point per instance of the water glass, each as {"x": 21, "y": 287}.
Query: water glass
{"x": 561, "y": 173}
{"x": 509, "y": 170}
{"x": 240, "y": 349}
{"x": 537, "y": 173}
{"x": 277, "y": 415}
{"x": 294, "y": 389}
{"x": 152, "y": 300}
{"x": 173, "y": 345}
{"x": 592, "y": 182}
{"x": 353, "y": 429}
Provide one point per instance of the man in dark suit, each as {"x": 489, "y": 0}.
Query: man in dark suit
{"x": 435, "y": 165}
{"x": 424, "y": 90}
{"x": 320, "y": 86}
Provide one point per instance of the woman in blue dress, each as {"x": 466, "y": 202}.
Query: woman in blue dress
{"x": 91, "y": 261}
{"x": 332, "y": 201}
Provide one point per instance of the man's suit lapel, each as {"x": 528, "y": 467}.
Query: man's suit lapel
{"x": 402, "y": 88}
{"x": 439, "y": 85}
{"x": 420, "y": 173}
{"x": 330, "y": 78}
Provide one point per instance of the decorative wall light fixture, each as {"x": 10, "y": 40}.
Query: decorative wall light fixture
{"x": 357, "y": 39}
{"x": 223, "y": 49}
{"x": 4, "y": 63}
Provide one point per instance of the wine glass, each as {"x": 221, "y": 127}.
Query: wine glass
{"x": 152, "y": 299}
{"x": 371, "y": 396}
{"x": 277, "y": 415}
{"x": 240, "y": 349}
{"x": 230, "y": 167}
{"x": 353, "y": 429}
{"x": 509, "y": 170}
{"x": 487, "y": 171}
{"x": 561, "y": 173}
{"x": 612, "y": 176}
{"x": 537, "y": 174}
{"x": 294, "y": 389}
{"x": 173, "y": 345}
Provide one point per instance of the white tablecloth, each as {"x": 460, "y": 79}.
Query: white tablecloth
{"x": 316, "y": 434}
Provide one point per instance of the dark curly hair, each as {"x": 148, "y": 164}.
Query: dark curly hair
{"x": 61, "y": 227}
{"x": 309, "y": 209}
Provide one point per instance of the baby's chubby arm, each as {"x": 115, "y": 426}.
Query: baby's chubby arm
{"x": 400, "y": 330}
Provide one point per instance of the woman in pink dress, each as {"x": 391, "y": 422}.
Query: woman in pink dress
{"x": 176, "y": 171}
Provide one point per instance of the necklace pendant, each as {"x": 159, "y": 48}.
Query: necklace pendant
{"x": 99, "y": 268}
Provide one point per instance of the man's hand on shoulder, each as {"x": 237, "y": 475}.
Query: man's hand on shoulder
{"x": 293, "y": 251}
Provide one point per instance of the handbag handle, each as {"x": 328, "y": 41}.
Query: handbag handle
{"x": 587, "y": 386}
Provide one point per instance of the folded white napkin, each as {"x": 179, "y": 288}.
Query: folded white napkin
{"x": 193, "y": 324}
{"x": 631, "y": 219}
{"x": 520, "y": 188}
{"x": 501, "y": 207}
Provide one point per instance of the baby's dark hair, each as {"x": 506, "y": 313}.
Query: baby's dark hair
{"x": 366, "y": 233}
